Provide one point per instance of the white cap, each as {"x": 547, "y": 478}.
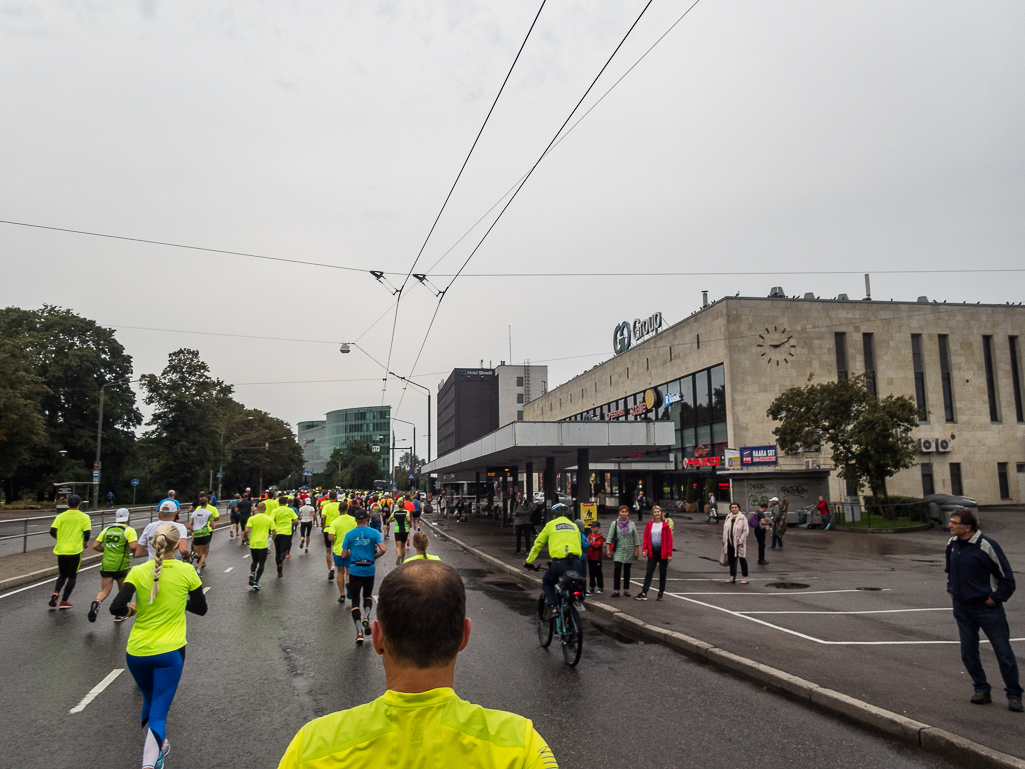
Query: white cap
{"x": 168, "y": 506}
{"x": 774, "y": 499}
{"x": 121, "y": 516}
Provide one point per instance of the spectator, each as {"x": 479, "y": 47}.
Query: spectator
{"x": 761, "y": 524}
{"x": 713, "y": 509}
{"x": 521, "y": 521}
{"x": 734, "y": 542}
{"x": 420, "y": 630}
{"x": 979, "y": 582}
{"x": 596, "y": 544}
{"x": 623, "y": 545}
{"x": 639, "y": 504}
{"x": 823, "y": 507}
{"x": 658, "y": 546}
{"x": 779, "y": 522}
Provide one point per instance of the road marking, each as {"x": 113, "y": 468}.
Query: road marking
{"x": 207, "y": 590}
{"x": 96, "y": 690}
{"x": 246, "y": 555}
{"x": 781, "y": 593}
{"x": 871, "y": 611}
{"x": 49, "y": 581}
{"x": 228, "y": 569}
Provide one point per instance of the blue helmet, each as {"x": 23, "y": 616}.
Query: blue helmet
{"x": 560, "y": 509}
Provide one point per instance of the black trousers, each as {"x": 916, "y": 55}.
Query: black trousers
{"x": 597, "y": 579}
{"x": 663, "y": 565}
{"x": 526, "y": 531}
{"x": 282, "y": 547}
{"x": 760, "y": 536}
{"x": 624, "y": 569}
{"x": 732, "y": 557}
{"x": 364, "y": 585}
{"x": 305, "y": 527}
{"x": 67, "y": 573}
{"x": 259, "y": 558}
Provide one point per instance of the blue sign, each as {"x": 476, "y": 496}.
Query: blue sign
{"x": 753, "y": 456}
{"x": 411, "y": 476}
{"x": 135, "y": 481}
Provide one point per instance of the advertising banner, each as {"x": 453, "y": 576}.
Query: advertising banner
{"x": 756, "y": 456}
{"x": 588, "y": 512}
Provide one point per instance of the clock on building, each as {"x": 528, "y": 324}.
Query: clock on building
{"x": 777, "y": 345}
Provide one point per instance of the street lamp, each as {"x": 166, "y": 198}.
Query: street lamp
{"x": 99, "y": 440}
{"x": 413, "y": 461}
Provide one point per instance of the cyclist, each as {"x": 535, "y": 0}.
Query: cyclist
{"x": 419, "y": 720}
{"x": 564, "y": 548}
{"x": 362, "y": 546}
{"x": 71, "y": 529}
{"x": 420, "y": 544}
{"x": 115, "y": 542}
{"x": 166, "y": 589}
{"x": 259, "y": 529}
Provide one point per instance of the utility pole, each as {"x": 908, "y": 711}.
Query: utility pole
{"x": 96, "y": 464}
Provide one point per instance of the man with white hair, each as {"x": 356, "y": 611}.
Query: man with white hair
{"x": 166, "y": 513}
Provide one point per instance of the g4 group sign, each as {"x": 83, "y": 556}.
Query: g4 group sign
{"x": 753, "y": 456}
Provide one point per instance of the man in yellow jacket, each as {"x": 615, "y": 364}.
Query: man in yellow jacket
{"x": 564, "y": 548}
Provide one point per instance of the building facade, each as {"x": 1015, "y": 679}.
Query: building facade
{"x": 715, "y": 374}
{"x": 367, "y": 423}
{"x": 518, "y": 385}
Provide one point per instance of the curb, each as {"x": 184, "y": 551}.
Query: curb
{"x": 929, "y": 738}
{"x": 901, "y": 530}
{"x": 24, "y": 579}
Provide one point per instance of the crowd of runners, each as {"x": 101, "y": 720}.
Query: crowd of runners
{"x": 354, "y": 527}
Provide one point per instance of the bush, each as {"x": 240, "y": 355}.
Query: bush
{"x": 913, "y": 508}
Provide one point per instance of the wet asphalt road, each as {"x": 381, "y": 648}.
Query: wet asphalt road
{"x": 261, "y": 664}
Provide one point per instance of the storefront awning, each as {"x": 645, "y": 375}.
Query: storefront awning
{"x": 522, "y": 442}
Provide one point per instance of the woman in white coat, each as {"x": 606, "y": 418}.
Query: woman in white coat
{"x": 734, "y": 542}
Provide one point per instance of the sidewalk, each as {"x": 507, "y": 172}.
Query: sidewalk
{"x": 871, "y": 623}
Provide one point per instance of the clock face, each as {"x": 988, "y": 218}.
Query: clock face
{"x": 776, "y": 346}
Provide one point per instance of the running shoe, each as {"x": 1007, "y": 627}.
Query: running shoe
{"x": 54, "y": 599}
{"x": 307, "y": 550}
{"x": 164, "y": 750}
{"x": 281, "y": 572}
{"x": 341, "y": 599}
{"x": 252, "y": 579}
{"x": 94, "y": 609}
{"x": 288, "y": 555}
{"x": 65, "y": 605}
{"x": 359, "y": 638}
{"x": 120, "y": 619}
{"x": 331, "y": 575}
{"x": 257, "y": 586}
{"x": 366, "y": 625}
{"x": 398, "y": 560}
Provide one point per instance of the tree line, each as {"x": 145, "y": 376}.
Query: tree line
{"x": 53, "y": 364}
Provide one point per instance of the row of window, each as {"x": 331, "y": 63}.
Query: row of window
{"x": 946, "y": 373}
{"x": 362, "y": 415}
{"x": 956, "y": 485}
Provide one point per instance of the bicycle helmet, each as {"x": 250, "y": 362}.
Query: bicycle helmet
{"x": 560, "y": 509}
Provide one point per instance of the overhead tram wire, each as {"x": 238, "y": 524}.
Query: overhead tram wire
{"x": 395, "y": 320}
{"x": 508, "y": 203}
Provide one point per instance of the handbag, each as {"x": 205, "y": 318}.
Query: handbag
{"x": 722, "y": 558}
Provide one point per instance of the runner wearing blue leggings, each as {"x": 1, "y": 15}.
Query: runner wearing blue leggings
{"x": 156, "y": 646}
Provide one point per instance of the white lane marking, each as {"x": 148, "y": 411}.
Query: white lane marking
{"x": 871, "y": 611}
{"x": 49, "y": 581}
{"x": 246, "y": 555}
{"x": 683, "y": 597}
{"x": 96, "y": 690}
{"x": 228, "y": 569}
{"x": 207, "y": 590}
{"x": 782, "y": 593}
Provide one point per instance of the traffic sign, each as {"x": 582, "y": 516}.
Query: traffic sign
{"x": 411, "y": 476}
{"x": 96, "y": 476}
{"x": 135, "y": 481}
{"x": 219, "y": 476}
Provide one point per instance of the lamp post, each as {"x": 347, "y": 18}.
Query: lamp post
{"x": 413, "y": 461}
{"x": 99, "y": 440}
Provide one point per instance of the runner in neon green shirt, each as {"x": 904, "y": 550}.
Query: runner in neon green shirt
{"x": 336, "y": 532}
{"x": 201, "y": 524}
{"x": 419, "y": 720}
{"x": 420, "y": 543}
{"x": 71, "y": 529}
{"x": 329, "y": 510}
{"x": 115, "y": 542}
{"x": 283, "y": 516}
{"x": 259, "y": 530}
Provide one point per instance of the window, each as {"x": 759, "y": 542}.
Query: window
{"x": 519, "y": 397}
{"x": 1005, "y": 489}
{"x": 1016, "y": 377}
{"x": 841, "y": 354}
{"x": 851, "y": 488}
{"x": 519, "y": 381}
{"x": 991, "y": 378}
{"x": 519, "y": 416}
{"x": 928, "y": 486}
{"x": 919, "y": 367}
{"x": 945, "y": 378}
{"x": 955, "y": 479}
{"x": 869, "y": 346}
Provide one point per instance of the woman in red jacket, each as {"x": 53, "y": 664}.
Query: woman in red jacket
{"x": 658, "y": 546}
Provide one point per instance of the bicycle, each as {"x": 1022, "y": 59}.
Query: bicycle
{"x": 569, "y": 594}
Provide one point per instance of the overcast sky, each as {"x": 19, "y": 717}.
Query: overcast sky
{"x": 756, "y": 137}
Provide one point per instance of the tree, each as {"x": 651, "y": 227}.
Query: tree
{"x": 408, "y": 463}
{"x": 870, "y": 437}
{"x": 183, "y": 441}
{"x": 21, "y": 420}
{"x": 258, "y": 445}
{"x": 72, "y": 357}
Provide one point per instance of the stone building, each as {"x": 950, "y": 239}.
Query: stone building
{"x": 716, "y": 373}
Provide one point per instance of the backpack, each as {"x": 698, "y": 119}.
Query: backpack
{"x": 752, "y": 520}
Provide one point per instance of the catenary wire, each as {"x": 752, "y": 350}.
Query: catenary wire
{"x": 466, "y": 160}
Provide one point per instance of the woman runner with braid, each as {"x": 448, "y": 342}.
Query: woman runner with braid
{"x": 156, "y": 647}
{"x": 420, "y": 543}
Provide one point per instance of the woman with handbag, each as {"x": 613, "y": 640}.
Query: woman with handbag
{"x": 658, "y": 546}
{"x": 734, "y": 542}
{"x": 624, "y": 546}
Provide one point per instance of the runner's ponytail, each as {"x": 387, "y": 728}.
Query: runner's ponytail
{"x": 164, "y": 543}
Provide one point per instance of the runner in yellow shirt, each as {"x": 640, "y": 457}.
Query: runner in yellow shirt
{"x": 421, "y": 627}
{"x": 115, "y": 542}
{"x": 329, "y": 510}
{"x": 421, "y": 542}
{"x": 71, "y": 529}
{"x": 259, "y": 530}
{"x": 283, "y": 516}
{"x": 336, "y": 532}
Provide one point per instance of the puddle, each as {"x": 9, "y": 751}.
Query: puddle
{"x": 504, "y": 585}
{"x": 789, "y": 585}
{"x": 473, "y": 573}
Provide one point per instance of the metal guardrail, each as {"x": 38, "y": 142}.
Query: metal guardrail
{"x": 105, "y": 517}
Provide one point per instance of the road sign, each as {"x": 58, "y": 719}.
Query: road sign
{"x": 219, "y": 476}
{"x": 375, "y": 449}
{"x": 412, "y": 476}
{"x": 96, "y": 476}
{"x": 96, "y": 465}
{"x": 135, "y": 481}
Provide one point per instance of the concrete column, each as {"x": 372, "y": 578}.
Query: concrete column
{"x": 505, "y": 501}
{"x": 583, "y": 478}
{"x": 529, "y": 493}
{"x": 549, "y": 482}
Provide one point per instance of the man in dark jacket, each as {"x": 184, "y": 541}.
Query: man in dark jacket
{"x": 979, "y": 581}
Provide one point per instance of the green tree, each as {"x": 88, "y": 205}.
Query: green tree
{"x": 870, "y": 437}
{"x": 72, "y": 357}
{"x": 408, "y": 463}
{"x": 21, "y": 419}
{"x": 257, "y": 445}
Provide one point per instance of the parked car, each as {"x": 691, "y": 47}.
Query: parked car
{"x": 566, "y": 499}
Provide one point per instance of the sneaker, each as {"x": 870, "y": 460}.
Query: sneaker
{"x": 763, "y": 563}
{"x": 120, "y": 619}
{"x": 288, "y": 555}
{"x": 366, "y": 625}
{"x": 341, "y": 599}
{"x": 94, "y": 609}
{"x": 615, "y": 594}
{"x": 981, "y": 698}
{"x": 640, "y": 597}
{"x": 164, "y": 750}
{"x": 257, "y": 586}
{"x": 54, "y": 599}
{"x": 307, "y": 550}
{"x": 359, "y": 637}
{"x": 65, "y": 605}
{"x": 331, "y": 575}
{"x": 626, "y": 593}
{"x": 231, "y": 535}
{"x": 252, "y": 579}
{"x": 398, "y": 560}
{"x": 658, "y": 597}
{"x": 601, "y": 591}
{"x": 1014, "y": 704}
{"x": 550, "y": 612}
{"x": 590, "y": 591}
{"x": 281, "y": 571}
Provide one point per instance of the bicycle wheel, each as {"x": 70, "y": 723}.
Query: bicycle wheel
{"x": 573, "y": 639}
{"x": 545, "y": 627}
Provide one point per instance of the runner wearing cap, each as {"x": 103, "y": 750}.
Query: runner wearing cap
{"x": 165, "y": 514}
{"x": 362, "y": 546}
{"x": 283, "y": 516}
{"x": 71, "y": 529}
{"x": 306, "y": 514}
{"x": 115, "y": 542}
{"x": 330, "y": 509}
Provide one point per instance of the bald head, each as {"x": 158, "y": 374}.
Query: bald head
{"x": 422, "y": 608}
